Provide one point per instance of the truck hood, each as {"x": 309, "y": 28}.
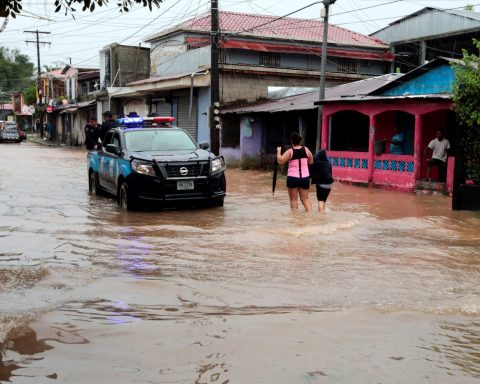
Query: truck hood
{"x": 162, "y": 156}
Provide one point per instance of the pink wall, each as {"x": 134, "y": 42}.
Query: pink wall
{"x": 432, "y": 115}
{"x": 450, "y": 168}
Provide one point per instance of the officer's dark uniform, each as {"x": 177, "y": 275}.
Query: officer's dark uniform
{"x": 92, "y": 133}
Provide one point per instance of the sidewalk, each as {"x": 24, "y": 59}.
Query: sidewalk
{"x": 37, "y": 139}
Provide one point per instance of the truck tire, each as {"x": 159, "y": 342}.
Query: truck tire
{"x": 93, "y": 186}
{"x": 125, "y": 198}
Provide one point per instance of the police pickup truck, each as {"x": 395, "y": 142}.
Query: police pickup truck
{"x": 149, "y": 160}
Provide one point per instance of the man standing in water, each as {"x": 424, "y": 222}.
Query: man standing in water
{"x": 440, "y": 147}
{"x": 298, "y": 176}
{"x": 92, "y": 133}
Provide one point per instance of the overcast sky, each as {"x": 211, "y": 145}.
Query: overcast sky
{"x": 79, "y": 40}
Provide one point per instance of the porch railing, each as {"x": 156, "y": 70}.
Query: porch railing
{"x": 343, "y": 159}
{"x": 394, "y": 163}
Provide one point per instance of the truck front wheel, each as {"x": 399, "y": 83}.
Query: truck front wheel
{"x": 93, "y": 183}
{"x": 125, "y": 198}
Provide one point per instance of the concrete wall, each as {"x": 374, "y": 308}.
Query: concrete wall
{"x": 133, "y": 62}
{"x": 190, "y": 61}
{"x": 251, "y": 87}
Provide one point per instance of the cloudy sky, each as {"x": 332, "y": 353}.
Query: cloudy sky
{"x": 79, "y": 40}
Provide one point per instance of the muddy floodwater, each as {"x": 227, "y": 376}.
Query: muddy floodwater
{"x": 382, "y": 288}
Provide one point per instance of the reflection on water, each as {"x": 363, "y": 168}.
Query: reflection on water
{"x": 457, "y": 344}
{"x": 99, "y": 265}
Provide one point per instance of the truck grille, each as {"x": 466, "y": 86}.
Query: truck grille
{"x": 193, "y": 170}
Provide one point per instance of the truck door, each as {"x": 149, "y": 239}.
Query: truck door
{"x": 105, "y": 164}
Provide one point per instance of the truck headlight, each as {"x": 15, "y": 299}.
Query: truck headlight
{"x": 218, "y": 165}
{"x": 143, "y": 168}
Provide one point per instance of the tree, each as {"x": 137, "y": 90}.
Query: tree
{"x": 466, "y": 103}
{"x": 31, "y": 94}
{"x": 14, "y": 7}
{"x": 16, "y": 70}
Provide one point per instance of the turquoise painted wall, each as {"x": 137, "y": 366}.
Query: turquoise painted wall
{"x": 435, "y": 81}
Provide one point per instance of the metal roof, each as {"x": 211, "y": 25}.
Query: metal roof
{"x": 356, "y": 89}
{"x": 273, "y": 27}
{"x": 428, "y": 22}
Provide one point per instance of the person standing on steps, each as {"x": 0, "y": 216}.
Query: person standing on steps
{"x": 298, "y": 177}
{"x": 439, "y": 147}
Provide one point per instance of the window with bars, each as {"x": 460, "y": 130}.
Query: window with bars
{"x": 269, "y": 59}
{"x": 347, "y": 65}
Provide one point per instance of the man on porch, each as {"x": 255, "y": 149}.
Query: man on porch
{"x": 440, "y": 147}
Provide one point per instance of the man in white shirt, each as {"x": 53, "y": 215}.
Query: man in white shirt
{"x": 439, "y": 147}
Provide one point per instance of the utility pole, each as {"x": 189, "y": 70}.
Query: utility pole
{"x": 323, "y": 63}
{"x": 215, "y": 126}
{"x": 38, "y": 42}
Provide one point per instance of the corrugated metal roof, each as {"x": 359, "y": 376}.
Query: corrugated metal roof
{"x": 363, "y": 98}
{"x": 356, "y": 89}
{"x": 163, "y": 78}
{"x": 274, "y": 28}
{"x": 428, "y": 22}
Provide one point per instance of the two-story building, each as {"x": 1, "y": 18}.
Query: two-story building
{"x": 257, "y": 52}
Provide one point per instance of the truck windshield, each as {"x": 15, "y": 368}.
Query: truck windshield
{"x": 158, "y": 140}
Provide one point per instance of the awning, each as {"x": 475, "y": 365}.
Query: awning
{"x": 271, "y": 47}
{"x": 69, "y": 110}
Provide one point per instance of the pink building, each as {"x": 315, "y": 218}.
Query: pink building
{"x": 357, "y": 129}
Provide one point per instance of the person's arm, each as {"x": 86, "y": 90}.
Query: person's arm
{"x": 427, "y": 149}
{"x": 283, "y": 159}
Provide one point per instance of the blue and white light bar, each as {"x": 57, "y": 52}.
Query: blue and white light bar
{"x": 130, "y": 122}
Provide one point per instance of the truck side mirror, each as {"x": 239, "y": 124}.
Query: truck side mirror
{"x": 204, "y": 145}
{"x": 112, "y": 148}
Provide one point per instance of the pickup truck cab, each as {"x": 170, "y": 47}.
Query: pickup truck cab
{"x": 149, "y": 160}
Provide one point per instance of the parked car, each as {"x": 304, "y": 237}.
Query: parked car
{"x": 9, "y": 132}
{"x": 149, "y": 160}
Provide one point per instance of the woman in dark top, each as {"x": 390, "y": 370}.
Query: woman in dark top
{"x": 321, "y": 174}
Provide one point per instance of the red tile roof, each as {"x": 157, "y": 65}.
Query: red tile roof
{"x": 273, "y": 27}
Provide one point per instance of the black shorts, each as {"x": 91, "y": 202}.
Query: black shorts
{"x": 437, "y": 162}
{"x": 298, "y": 182}
{"x": 322, "y": 193}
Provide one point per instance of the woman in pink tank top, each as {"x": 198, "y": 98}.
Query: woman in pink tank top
{"x": 298, "y": 176}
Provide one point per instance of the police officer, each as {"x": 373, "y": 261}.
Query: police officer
{"x": 92, "y": 133}
{"x": 108, "y": 122}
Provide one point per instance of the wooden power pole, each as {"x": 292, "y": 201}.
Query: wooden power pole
{"x": 215, "y": 125}
{"x": 38, "y": 42}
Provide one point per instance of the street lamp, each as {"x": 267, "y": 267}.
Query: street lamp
{"x": 323, "y": 63}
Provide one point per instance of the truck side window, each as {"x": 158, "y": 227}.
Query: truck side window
{"x": 116, "y": 141}
{"x": 108, "y": 139}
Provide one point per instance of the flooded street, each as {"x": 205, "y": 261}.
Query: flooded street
{"x": 382, "y": 288}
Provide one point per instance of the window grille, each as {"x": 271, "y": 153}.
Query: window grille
{"x": 269, "y": 59}
{"x": 347, "y": 65}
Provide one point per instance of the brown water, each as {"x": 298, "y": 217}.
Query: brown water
{"x": 382, "y": 288}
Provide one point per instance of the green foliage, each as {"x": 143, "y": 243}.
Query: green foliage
{"x": 30, "y": 95}
{"x": 466, "y": 99}
{"x": 16, "y": 70}
{"x": 14, "y": 7}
